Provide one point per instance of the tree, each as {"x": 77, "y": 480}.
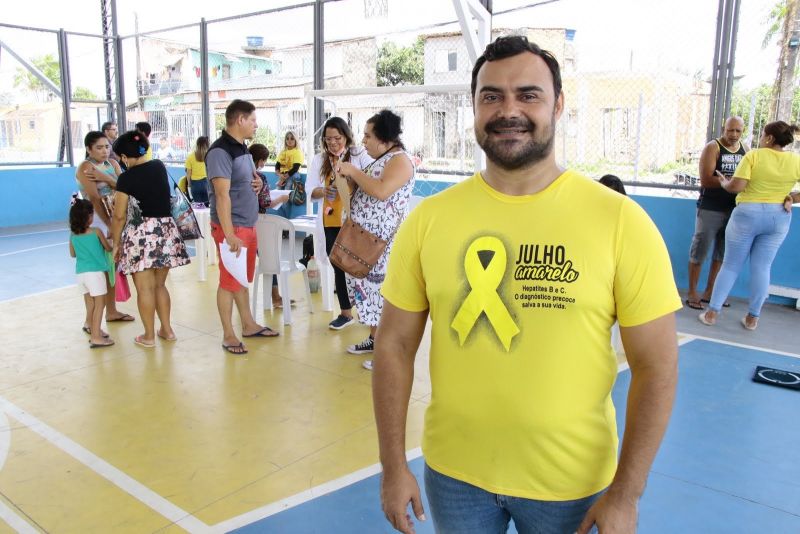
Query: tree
{"x": 401, "y": 65}
{"x": 48, "y": 65}
{"x": 784, "y": 14}
{"x": 82, "y": 93}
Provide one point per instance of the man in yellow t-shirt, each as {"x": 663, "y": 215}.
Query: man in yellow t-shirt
{"x": 523, "y": 269}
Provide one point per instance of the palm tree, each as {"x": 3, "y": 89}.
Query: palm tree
{"x": 784, "y": 15}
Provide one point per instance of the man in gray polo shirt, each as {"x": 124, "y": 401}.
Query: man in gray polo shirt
{"x": 234, "y": 212}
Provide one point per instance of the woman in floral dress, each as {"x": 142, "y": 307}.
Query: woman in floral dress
{"x": 149, "y": 245}
{"x": 379, "y": 204}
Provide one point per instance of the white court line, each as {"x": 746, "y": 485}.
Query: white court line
{"x": 14, "y": 521}
{"x": 34, "y": 233}
{"x": 745, "y": 346}
{"x": 7, "y": 514}
{"x": 12, "y": 299}
{"x": 318, "y": 491}
{"x": 34, "y": 248}
{"x": 126, "y": 483}
{"x": 304, "y": 496}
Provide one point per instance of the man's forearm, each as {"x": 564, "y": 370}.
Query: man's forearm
{"x": 224, "y": 213}
{"x": 650, "y": 399}
{"x": 391, "y": 391}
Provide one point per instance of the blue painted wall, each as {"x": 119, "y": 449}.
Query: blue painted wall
{"x": 32, "y": 196}
{"x": 42, "y": 195}
{"x": 35, "y": 196}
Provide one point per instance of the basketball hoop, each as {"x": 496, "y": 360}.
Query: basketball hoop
{"x": 376, "y": 9}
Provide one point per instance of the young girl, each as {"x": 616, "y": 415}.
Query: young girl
{"x": 88, "y": 245}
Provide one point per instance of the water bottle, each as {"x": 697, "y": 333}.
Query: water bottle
{"x": 313, "y": 275}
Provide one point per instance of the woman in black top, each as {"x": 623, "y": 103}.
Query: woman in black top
{"x": 149, "y": 245}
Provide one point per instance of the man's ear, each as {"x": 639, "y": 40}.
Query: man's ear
{"x": 559, "y": 106}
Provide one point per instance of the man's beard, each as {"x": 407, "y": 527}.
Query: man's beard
{"x": 510, "y": 155}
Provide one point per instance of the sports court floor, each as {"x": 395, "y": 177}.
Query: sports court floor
{"x": 186, "y": 437}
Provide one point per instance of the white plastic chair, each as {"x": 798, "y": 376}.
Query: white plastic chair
{"x": 269, "y": 232}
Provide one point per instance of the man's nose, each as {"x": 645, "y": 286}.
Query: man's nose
{"x": 509, "y": 107}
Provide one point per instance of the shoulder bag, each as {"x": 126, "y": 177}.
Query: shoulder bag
{"x": 356, "y": 250}
{"x": 184, "y": 216}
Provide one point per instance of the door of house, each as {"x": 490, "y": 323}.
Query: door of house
{"x": 438, "y": 133}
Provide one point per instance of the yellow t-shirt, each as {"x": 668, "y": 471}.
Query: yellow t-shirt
{"x": 198, "y": 168}
{"x": 149, "y": 154}
{"x": 771, "y": 175}
{"x": 287, "y": 158}
{"x": 332, "y": 209}
{"x": 521, "y": 362}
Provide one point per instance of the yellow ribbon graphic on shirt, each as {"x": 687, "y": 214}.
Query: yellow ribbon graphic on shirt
{"x": 483, "y": 297}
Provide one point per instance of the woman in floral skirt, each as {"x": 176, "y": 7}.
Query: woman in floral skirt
{"x": 149, "y": 245}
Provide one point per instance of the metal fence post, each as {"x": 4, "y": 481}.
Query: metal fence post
{"x": 66, "y": 94}
{"x": 319, "y": 68}
{"x": 206, "y": 106}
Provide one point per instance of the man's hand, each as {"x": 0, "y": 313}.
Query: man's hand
{"x": 256, "y": 183}
{"x": 396, "y": 491}
{"x": 116, "y": 253}
{"x": 613, "y": 513}
{"x": 234, "y": 243}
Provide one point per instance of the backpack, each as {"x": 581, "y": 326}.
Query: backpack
{"x": 298, "y": 194}
{"x": 308, "y": 249}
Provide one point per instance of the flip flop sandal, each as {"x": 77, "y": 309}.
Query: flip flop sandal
{"x": 233, "y": 349}
{"x": 694, "y": 304}
{"x": 748, "y": 327}
{"x": 138, "y": 341}
{"x": 702, "y": 318}
{"x": 125, "y": 317}
{"x": 100, "y": 345}
{"x": 87, "y": 330}
{"x": 261, "y": 333}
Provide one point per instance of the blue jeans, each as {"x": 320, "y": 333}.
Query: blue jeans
{"x": 199, "y": 190}
{"x": 757, "y": 230}
{"x": 459, "y": 507}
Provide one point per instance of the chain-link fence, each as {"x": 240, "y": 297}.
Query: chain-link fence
{"x": 31, "y": 109}
{"x": 638, "y": 120}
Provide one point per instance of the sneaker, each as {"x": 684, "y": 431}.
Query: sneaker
{"x": 367, "y": 365}
{"x": 341, "y": 322}
{"x": 365, "y": 347}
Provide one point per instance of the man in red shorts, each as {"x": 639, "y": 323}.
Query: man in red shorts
{"x": 234, "y": 212}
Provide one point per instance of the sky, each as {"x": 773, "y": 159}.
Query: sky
{"x": 610, "y": 34}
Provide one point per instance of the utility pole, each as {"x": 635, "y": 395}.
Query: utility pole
{"x": 783, "y": 90}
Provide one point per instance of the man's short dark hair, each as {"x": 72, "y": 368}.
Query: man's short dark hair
{"x": 144, "y": 127}
{"x": 512, "y": 45}
{"x": 237, "y": 108}
{"x": 107, "y": 125}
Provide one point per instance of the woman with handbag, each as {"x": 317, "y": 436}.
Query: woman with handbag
{"x": 97, "y": 177}
{"x": 149, "y": 245}
{"x": 379, "y": 204}
{"x": 337, "y": 145}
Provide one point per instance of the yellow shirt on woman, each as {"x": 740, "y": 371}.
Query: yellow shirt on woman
{"x": 198, "y": 168}
{"x": 770, "y": 175}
